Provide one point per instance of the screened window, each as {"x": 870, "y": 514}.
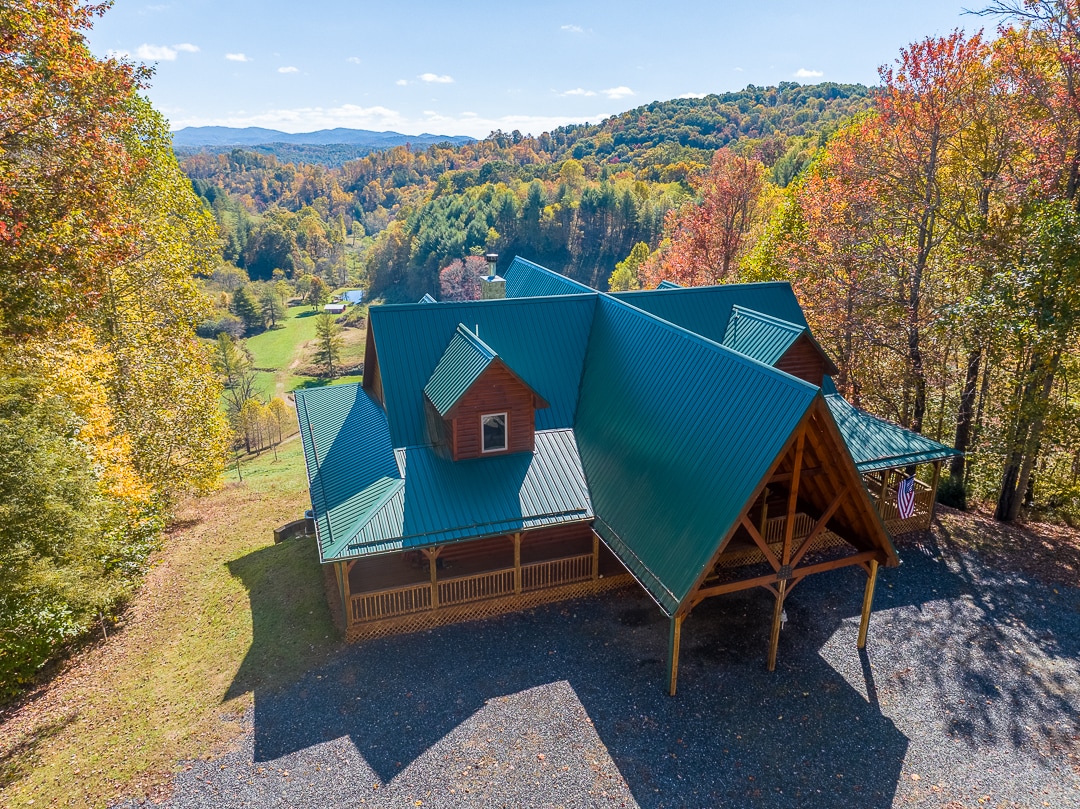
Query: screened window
{"x": 493, "y": 432}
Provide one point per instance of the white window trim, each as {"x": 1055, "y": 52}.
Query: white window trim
{"x": 506, "y": 433}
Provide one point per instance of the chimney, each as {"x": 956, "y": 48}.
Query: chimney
{"x": 491, "y": 285}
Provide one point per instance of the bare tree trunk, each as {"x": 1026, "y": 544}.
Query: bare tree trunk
{"x": 966, "y": 412}
{"x": 1028, "y": 437}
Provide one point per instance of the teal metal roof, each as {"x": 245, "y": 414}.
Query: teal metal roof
{"x": 440, "y": 501}
{"x": 673, "y": 447}
{"x": 350, "y": 461}
{"x": 527, "y": 280}
{"x": 706, "y": 310}
{"x": 877, "y": 444}
{"x": 543, "y": 341}
{"x": 465, "y": 359}
{"x": 760, "y": 336}
{"x": 668, "y": 285}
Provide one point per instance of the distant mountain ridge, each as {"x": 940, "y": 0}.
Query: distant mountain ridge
{"x": 219, "y": 137}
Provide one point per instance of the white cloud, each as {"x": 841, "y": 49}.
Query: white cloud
{"x": 186, "y": 47}
{"x": 693, "y": 95}
{"x": 573, "y": 29}
{"x": 434, "y": 78}
{"x": 738, "y": 69}
{"x": 803, "y": 73}
{"x": 307, "y": 119}
{"x": 615, "y": 93}
{"x": 155, "y": 53}
{"x": 353, "y": 60}
{"x": 237, "y": 57}
{"x": 401, "y": 82}
{"x": 289, "y": 69}
{"x": 578, "y": 91}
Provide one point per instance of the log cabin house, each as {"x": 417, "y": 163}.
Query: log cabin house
{"x": 561, "y": 441}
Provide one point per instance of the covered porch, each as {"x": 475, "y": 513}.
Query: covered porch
{"x": 426, "y": 587}
{"x": 810, "y": 515}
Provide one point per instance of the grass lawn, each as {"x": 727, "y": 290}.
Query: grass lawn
{"x": 282, "y": 355}
{"x": 171, "y": 681}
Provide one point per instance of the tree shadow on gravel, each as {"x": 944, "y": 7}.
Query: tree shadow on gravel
{"x": 800, "y": 736}
{"x": 811, "y": 734}
{"x": 1004, "y": 648}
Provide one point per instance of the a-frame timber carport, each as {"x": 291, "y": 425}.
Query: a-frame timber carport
{"x": 711, "y": 472}
{"x": 825, "y": 521}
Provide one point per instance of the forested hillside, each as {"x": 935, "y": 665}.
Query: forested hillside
{"x": 108, "y": 404}
{"x": 578, "y": 198}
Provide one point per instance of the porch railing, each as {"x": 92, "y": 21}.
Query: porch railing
{"x": 390, "y": 602}
{"x": 552, "y": 573}
{"x": 890, "y": 512}
{"x": 396, "y": 601}
{"x": 490, "y": 584}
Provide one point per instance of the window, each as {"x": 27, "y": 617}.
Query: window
{"x": 493, "y": 432}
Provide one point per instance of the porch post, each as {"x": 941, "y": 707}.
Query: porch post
{"x": 868, "y": 600}
{"x": 933, "y": 493}
{"x": 432, "y": 554}
{"x": 346, "y": 596}
{"x": 595, "y": 556}
{"x": 673, "y": 652}
{"x": 778, "y": 613}
{"x": 517, "y": 563}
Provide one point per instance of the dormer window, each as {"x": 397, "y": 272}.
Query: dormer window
{"x": 470, "y": 399}
{"x": 493, "y": 432}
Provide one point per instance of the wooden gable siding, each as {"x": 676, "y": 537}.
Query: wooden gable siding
{"x": 372, "y": 381}
{"x": 804, "y": 360}
{"x": 495, "y": 391}
{"x": 825, "y": 472}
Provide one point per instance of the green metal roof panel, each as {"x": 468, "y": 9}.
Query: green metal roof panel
{"x": 760, "y": 336}
{"x": 668, "y": 285}
{"x": 542, "y": 340}
{"x": 877, "y": 444}
{"x": 442, "y": 501}
{"x": 350, "y": 461}
{"x": 674, "y": 447}
{"x": 706, "y": 310}
{"x": 461, "y": 364}
{"x": 527, "y": 280}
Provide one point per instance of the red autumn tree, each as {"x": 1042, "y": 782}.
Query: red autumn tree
{"x": 707, "y": 238}
{"x": 63, "y": 118}
{"x": 460, "y": 280}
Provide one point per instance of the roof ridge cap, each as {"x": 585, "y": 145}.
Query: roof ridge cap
{"x": 736, "y": 309}
{"x": 750, "y": 361}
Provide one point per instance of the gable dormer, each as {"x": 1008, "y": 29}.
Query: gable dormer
{"x": 476, "y": 405}
{"x": 787, "y": 346}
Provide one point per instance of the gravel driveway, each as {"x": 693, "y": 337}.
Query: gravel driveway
{"x": 968, "y": 697}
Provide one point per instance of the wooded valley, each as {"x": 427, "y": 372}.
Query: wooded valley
{"x": 930, "y": 226}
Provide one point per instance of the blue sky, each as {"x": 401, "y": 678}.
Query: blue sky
{"x": 470, "y": 67}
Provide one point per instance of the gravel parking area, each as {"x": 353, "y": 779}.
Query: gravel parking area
{"x": 968, "y": 697}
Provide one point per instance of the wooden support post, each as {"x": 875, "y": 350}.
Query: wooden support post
{"x": 432, "y": 555}
{"x": 673, "y": 652}
{"x": 933, "y": 493}
{"x": 595, "y": 556}
{"x": 778, "y": 612}
{"x": 517, "y": 563}
{"x": 764, "y": 511}
{"x": 793, "y": 495}
{"x": 868, "y": 600}
{"x": 346, "y": 594}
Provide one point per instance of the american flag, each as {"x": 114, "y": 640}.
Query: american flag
{"x": 905, "y": 497}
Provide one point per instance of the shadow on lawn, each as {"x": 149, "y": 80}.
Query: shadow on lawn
{"x": 800, "y": 736}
